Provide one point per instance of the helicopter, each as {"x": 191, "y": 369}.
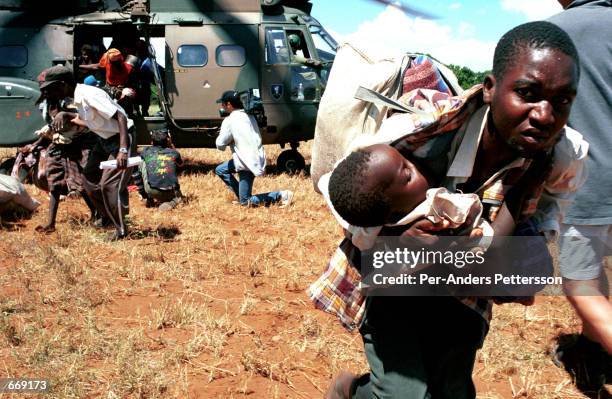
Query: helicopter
{"x": 202, "y": 48}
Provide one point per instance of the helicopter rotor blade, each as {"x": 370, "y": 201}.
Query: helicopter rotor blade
{"x": 407, "y": 9}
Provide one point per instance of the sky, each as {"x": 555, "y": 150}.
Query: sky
{"x": 464, "y": 33}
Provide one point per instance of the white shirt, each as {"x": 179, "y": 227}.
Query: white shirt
{"x": 96, "y": 109}
{"x": 240, "y": 131}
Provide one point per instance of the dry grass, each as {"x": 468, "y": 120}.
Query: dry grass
{"x": 207, "y": 301}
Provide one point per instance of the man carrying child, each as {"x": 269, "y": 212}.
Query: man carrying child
{"x": 496, "y": 141}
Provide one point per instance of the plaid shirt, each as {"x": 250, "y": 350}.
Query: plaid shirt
{"x": 337, "y": 290}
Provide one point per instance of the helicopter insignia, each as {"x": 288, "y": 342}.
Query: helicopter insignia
{"x": 276, "y": 91}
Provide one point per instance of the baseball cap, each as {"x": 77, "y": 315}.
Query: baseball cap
{"x": 57, "y": 73}
{"x": 229, "y": 96}
{"x": 47, "y": 77}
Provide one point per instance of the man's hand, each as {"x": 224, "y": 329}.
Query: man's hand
{"x": 422, "y": 231}
{"x": 61, "y": 121}
{"x": 122, "y": 160}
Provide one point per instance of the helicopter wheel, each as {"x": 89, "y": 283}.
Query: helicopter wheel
{"x": 290, "y": 161}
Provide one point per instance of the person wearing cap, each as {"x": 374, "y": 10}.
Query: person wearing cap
{"x": 104, "y": 117}
{"x": 240, "y": 132}
{"x": 66, "y": 152}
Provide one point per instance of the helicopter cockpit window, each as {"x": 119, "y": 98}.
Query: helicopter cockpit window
{"x": 192, "y": 55}
{"x": 276, "y": 46}
{"x": 325, "y": 44}
{"x": 230, "y": 55}
{"x": 13, "y": 56}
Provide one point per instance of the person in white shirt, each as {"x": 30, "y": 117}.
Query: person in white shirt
{"x": 103, "y": 116}
{"x": 240, "y": 132}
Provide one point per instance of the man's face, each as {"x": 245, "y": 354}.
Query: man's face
{"x": 226, "y": 109}
{"x": 55, "y": 91}
{"x": 530, "y": 104}
{"x": 407, "y": 186}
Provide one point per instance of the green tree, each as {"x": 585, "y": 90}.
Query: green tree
{"x": 466, "y": 77}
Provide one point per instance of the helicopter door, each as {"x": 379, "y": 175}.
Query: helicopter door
{"x": 287, "y": 75}
{"x": 206, "y": 61}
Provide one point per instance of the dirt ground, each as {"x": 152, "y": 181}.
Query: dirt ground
{"x": 208, "y": 301}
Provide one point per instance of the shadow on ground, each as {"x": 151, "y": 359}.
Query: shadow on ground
{"x": 590, "y": 369}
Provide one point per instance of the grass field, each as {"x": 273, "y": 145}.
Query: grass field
{"x": 208, "y": 301}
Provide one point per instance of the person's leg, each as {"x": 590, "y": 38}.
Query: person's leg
{"x": 113, "y": 185}
{"x": 54, "y": 199}
{"x": 246, "y": 192}
{"x": 226, "y": 172}
{"x": 245, "y": 188}
{"x": 394, "y": 354}
{"x": 267, "y": 198}
{"x": 593, "y": 308}
{"x": 90, "y": 205}
{"x": 581, "y": 264}
{"x": 451, "y": 338}
{"x": 91, "y": 180}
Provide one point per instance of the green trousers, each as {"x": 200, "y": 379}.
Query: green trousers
{"x": 419, "y": 348}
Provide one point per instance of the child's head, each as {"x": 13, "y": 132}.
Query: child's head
{"x": 159, "y": 137}
{"x": 375, "y": 185}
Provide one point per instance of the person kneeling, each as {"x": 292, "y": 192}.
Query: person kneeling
{"x": 159, "y": 172}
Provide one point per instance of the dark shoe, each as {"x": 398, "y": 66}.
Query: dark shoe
{"x": 341, "y": 386}
{"x": 45, "y": 229}
{"x": 585, "y": 360}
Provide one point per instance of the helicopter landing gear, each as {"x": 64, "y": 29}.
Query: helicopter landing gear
{"x": 290, "y": 161}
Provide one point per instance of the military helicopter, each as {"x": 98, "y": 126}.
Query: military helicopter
{"x": 208, "y": 46}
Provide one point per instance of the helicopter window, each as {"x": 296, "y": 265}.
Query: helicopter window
{"x": 276, "y": 46}
{"x": 192, "y": 55}
{"x": 13, "y": 56}
{"x": 325, "y": 44}
{"x": 230, "y": 55}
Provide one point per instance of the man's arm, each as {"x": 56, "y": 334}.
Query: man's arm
{"x": 124, "y": 141}
{"x": 178, "y": 160}
{"x": 89, "y": 67}
{"x": 225, "y": 136}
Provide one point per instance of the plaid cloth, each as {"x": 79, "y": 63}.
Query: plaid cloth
{"x": 65, "y": 163}
{"x": 337, "y": 289}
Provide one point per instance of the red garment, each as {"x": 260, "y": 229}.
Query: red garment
{"x": 115, "y": 75}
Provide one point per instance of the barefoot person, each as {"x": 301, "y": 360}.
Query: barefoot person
{"x": 67, "y": 151}
{"x": 98, "y": 112}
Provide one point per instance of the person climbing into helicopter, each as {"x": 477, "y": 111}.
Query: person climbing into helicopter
{"x": 120, "y": 79}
